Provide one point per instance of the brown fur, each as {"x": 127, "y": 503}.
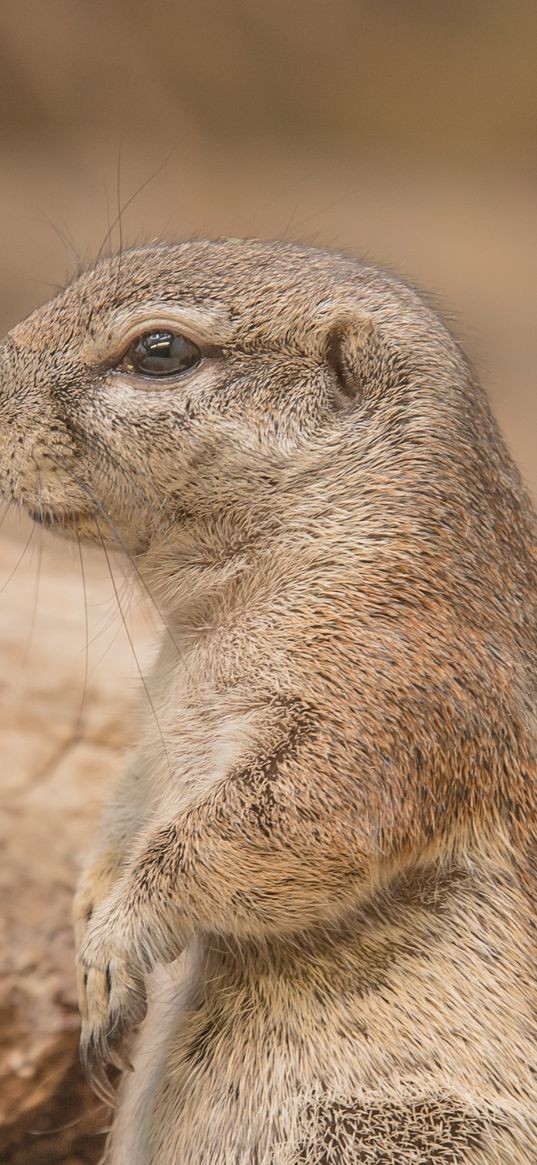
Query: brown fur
{"x": 331, "y": 814}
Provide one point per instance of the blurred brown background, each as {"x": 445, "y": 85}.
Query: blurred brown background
{"x": 405, "y": 131}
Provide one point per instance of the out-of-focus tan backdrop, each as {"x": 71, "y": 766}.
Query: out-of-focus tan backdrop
{"x": 405, "y": 132}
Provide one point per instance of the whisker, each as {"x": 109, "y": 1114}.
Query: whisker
{"x": 35, "y": 604}
{"x": 108, "y": 645}
{"x": 78, "y": 725}
{"x": 107, "y": 623}
{"x": 68, "y": 245}
{"x": 57, "y": 1072}
{"x": 133, "y": 196}
{"x": 55, "y": 287}
{"x": 119, "y": 220}
{"x": 4, "y": 510}
{"x": 36, "y": 586}
{"x": 290, "y": 220}
{"x": 70, "y": 1124}
{"x": 131, "y": 643}
{"x": 95, "y": 501}
{"x": 18, "y": 563}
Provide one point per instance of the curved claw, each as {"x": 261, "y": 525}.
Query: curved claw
{"x": 100, "y": 1084}
{"x": 114, "y": 1004}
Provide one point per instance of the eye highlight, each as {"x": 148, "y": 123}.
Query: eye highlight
{"x": 160, "y": 354}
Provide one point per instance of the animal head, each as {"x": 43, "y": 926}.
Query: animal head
{"x": 211, "y": 375}
{"x": 242, "y": 383}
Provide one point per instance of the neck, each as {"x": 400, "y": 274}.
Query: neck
{"x": 210, "y": 564}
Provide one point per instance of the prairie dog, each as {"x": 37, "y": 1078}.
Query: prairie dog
{"x": 320, "y": 866}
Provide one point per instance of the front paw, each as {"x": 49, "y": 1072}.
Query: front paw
{"x": 112, "y": 999}
{"x": 94, "y": 887}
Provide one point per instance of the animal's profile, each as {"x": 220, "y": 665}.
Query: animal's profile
{"x": 324, "y": 848}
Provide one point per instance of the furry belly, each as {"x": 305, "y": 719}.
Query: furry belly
{"x": 200, "y": 1095}
{"x": 233, "y": 1087}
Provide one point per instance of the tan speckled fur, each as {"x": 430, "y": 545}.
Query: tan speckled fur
{"x": 320, "y": 864}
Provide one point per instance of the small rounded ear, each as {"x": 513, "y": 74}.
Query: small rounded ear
{"x": 347, "y": 344}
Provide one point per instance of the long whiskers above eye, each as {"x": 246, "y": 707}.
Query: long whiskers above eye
{"x": 130, "y": 200}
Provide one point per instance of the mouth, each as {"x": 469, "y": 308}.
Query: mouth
{"x": 84, "y": 527}
{"x": 52, "y": 521}
{"x": 72, "y": 524}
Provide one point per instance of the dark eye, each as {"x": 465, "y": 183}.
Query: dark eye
{"x": 162, "y": 354}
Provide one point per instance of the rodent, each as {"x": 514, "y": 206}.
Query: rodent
{"x": 321, "y": 861}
